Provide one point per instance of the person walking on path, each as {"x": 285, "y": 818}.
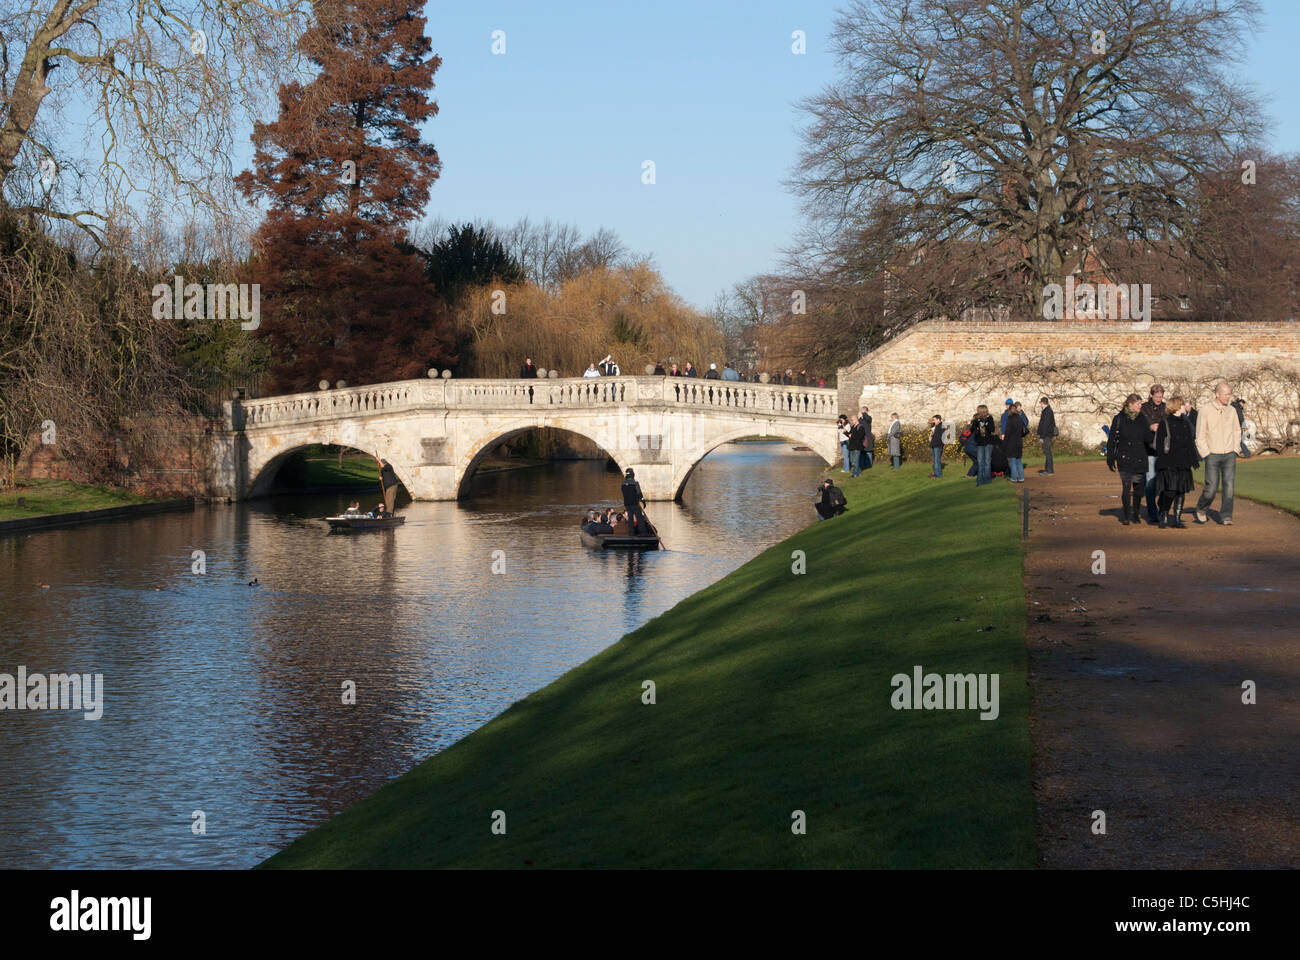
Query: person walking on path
{"x": 857, "y": 435}
{"x": 1240, "y": 406}
{"x": 1126, "y": 451}
{"x": 984, "y": 432}
{"x": 936, "y": 447}
{"x": 729, "y": 372}
{"x": 895, "y": 439}
{"x": 713, "y": 372}
{"x": 690, "y": 370}
{"x": 1013, "y": 444}
{"x": 1176, "y": 458}
{"x": 1154, "y": 410}
{"x": 1218, "y": 438}
{"x": 529, "y": 370}
{"x": 1046, "y": 431}
{"x": 842, "y": 430}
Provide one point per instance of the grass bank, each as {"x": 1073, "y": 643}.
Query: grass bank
{"x": 773, "y": 695}
{"x": 1271, "y": 480}
{"x": 42, "y": 498}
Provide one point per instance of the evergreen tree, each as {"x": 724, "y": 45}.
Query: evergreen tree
{"x": 344, "y": 169}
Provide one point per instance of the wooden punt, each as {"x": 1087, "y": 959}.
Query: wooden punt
{"x": 347, "y": 524}
{"x": 615, "y": 541}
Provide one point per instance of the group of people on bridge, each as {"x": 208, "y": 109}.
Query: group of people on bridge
{"x": 608, "y": 367}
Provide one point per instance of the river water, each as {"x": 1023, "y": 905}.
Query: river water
{"x": 226, "y": 698}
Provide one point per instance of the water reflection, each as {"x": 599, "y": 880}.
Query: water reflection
{"x": 227, "y": 699}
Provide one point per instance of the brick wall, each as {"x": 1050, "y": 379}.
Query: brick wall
{"x": 1087, "y": 368}
{"x": 175, "y": 461}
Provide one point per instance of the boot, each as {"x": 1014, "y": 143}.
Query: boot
{"x": 1126, "y": 513}
{"x": 1137, "y": 511}
{"x": 1178, "y": 512}
{"x": 1162, "y": 519}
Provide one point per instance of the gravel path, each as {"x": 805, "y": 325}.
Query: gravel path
{"x": 1137, "y": 680}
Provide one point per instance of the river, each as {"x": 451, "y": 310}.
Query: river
{"x": 227, "y": 699}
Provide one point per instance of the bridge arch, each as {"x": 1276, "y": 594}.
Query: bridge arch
{"x": 262, "y": 475}
{"x": 813, "y": 437}
{"x": 500, "y": 433}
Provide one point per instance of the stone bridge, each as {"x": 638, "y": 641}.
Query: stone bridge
{"x": 435, "y": 432}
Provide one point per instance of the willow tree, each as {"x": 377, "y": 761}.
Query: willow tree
{"x": 157, "y": 91}
{"x": 970, "y": 153}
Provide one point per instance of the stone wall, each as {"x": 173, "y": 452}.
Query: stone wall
{"x": 174, "y": 461}
{"x": 1087, "y": 368}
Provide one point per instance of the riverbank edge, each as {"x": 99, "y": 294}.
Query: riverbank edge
{"x": 1014, "y": 816}
{"x": 52, "y": 521}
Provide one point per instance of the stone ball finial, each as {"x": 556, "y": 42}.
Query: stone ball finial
{"x": 446, "y": 374}
{"x": 541, "y": 373}
{"x": 324, "y": 384}
{"x": 555, "y": 374}
{"x": 433, "y": 373}
{"x": 340, "y": 384}
{"x": 764, "y": 377}
{"x": 649, "y": 369}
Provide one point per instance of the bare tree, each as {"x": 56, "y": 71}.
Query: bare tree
{"x": 976, "y": 151}
{"x": 162, "y": 85}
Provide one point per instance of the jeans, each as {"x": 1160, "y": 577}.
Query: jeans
{"x": 866, "y": 457}
{"x": 855, "y": 457}
{"x": 897, "y": 460}
{"x": 844, "y": 449}
{"x": 1219, "y": 468}
{"x": 1047, "y": 454}
{"x": 1016, "y": 468}
{"x": 984, "y": 464}
{"x": 936, "y": 461}
{"x": 1152, "y": 514}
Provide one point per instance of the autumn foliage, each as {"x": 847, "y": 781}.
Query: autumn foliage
{"x": 628, "y": 311}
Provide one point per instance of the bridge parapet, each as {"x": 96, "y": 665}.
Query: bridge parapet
{"x": 811, "y": 403}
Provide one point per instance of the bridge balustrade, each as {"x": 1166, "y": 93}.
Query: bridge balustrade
{"x": 767, "y": 399}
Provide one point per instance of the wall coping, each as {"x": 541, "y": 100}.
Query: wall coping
{"x": 53, "y": 520}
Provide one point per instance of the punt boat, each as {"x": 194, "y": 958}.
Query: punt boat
{"x": 350, "y": 524}
{"x": 616, "y": 541}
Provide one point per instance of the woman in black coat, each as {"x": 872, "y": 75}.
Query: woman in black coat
{"x": 1176, "y": 458}
{"x": 1126, "y": 451}
{"x": 1013, "y": 445}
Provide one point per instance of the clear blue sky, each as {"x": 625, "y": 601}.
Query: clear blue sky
{"x": 559, "y": 126}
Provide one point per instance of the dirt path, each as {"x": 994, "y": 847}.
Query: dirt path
{"x": 1137, "y": 682}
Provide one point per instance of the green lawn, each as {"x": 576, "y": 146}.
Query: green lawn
{"x": 318, "y": 466}
{"x": 44, "y": 497}
{"x": 773, "y": 695}
{"x": 1271, "y": 480}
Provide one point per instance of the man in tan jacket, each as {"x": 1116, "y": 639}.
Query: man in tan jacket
{"x": 1218, "y": 438}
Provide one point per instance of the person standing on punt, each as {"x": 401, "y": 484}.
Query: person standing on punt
{"x": 633, "y": 500}
{"x": 387, "y": 483}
